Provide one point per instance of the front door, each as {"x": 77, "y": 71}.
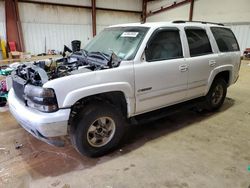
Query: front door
{"x": 161, "y": 79}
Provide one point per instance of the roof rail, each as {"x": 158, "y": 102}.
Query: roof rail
{"x": 202, "y": 22}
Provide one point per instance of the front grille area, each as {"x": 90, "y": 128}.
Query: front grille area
{"x": 19, "y": 89}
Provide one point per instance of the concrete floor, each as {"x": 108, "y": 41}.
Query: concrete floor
{"x": 185, "y": 150}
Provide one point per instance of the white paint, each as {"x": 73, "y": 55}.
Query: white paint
{"x": 2, "y": 21}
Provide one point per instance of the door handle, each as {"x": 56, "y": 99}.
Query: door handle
{"x": 183, "y": 68}
{"x": 212, "y": 63}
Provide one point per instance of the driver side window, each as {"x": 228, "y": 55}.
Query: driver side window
{"x": 165, "y": 44}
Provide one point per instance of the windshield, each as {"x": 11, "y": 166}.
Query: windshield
{"x": 123, "y": 41}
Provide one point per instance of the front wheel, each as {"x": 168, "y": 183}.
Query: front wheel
{"x": 99, "y": 128}
{"x": 216, "y": 95}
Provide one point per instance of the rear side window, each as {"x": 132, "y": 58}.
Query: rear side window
{"x": 198, "y": 42}
{"x": 225, "y": 39}
{"x": 165, "y": 44}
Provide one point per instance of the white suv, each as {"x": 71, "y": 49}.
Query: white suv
{"x": 125, "y": 71}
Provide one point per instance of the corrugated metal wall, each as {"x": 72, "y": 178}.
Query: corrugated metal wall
{"x": 114, "y": 4}
{"x": 72, "y": 2}
{"x": 120, "y": 4}
{"x": 223, "y": 11}
{"x": 2, "y": 21}
{"x": 242, "y": 33}
{"x": 107, "y": 18}
{"x": 50, "y": 27}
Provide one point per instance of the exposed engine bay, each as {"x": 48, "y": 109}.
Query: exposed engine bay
{"x": 39, "y": 72}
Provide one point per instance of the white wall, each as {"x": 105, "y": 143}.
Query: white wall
{"x": 107, "y": 18}
{"x": 222, "y": 11}
{"x": 57, "y": 25}
{"x": 242, "y": 33}
{"x": 114, "y": 4}
{"x": 120, "y": 4}
{"x": 60, "y": 25}
{"x": 208, "y": 10}
{"x": 178, "y": 13}
{"x": 2, "y": 21}
{"x": 72, "y": 2}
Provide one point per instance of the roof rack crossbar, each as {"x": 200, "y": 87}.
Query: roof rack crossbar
{"x": 183, "y": 21}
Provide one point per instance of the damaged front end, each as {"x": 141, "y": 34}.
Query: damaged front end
{"x": 27, "y": 82}
{"x": 28, "y": 79}
{"x": 40, "y": 72}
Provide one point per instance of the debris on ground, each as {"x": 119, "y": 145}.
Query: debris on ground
{"x": 56, "y": 183}
{"x": 18, "y": 145}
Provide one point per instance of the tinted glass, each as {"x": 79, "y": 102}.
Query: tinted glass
{"x": 164, "y": 45}
{"x": 198, "y": 42}
{"x": 225, "y": 39}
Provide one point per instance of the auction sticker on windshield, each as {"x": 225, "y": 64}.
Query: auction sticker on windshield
{"x": 129, "y": 34}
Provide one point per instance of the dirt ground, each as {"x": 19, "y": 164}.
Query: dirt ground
{"x": 185, "y": 150}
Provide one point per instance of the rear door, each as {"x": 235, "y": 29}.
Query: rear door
{"x": 201, "y": 61}
{"x": 161, "y": 78}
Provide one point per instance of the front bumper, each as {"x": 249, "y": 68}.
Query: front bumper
{"x": 39, "y": 124}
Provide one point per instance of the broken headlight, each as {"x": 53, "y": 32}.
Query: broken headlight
{"x": 42, "y": 99}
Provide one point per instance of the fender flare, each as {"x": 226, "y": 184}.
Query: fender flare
{"x": 74, "y": 96}
{"x": 218, "y": 70}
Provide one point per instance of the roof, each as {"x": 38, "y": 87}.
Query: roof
{"x": 170, "y": 23}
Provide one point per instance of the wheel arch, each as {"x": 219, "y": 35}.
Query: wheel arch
{"x": 221, "y": 72}
{"x": 125, "y": 91}
{"x": 116, "y": 98}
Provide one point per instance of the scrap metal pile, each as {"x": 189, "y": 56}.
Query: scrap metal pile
{"x": 5, "y": 71}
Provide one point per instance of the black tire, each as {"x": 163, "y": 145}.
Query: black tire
{"x": 3, "y": 101}
{"x": 80, "y": 136}
{"x": 216, "y": 95}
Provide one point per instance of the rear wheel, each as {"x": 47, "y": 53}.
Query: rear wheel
{"x": 216, "y": 95}
{"x": 99, "y": 128}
